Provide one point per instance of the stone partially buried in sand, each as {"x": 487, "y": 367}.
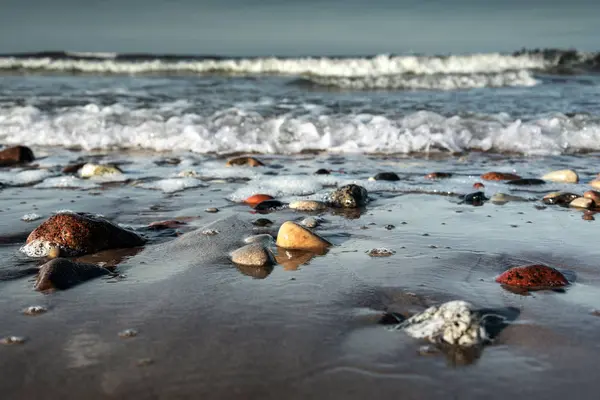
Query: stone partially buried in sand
{"x": 293, "y": 236}
{"x": 559, "y": 198}
{"x": 61, "y": 274}
{"x": 438, "y": 175}
{"x": 564, "y": 176}
{"x": 252, "y": 255}
{"x": 91, "y": 170}
{"x": 308, "y": 205}
{"x": 533, "y": 277}
{"x": 78, "y": 234}
{"x": 247, "y": 161}
{"x": 499, "y": 176}
{"x": 385, "y": 176}
{"x": 348, "y": 196}
{"x": 16, "y": 155}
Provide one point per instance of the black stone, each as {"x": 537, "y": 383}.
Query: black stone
{"x": 525, "y": 182}
{"x": 386, "y": 176}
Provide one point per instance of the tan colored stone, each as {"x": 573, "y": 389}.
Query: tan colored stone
{"x": 594, "y": 196}
{"x": 293, "y": 236}
{"x": 90, "y": 170}
{"x": 582, "y": 202}
{"x": 595, "y": 183}
{"x": 308, "y": 205}
{"x": 563, "y": 175}
{"x": 252, "y": 255}
{"x": 249, "y": 161}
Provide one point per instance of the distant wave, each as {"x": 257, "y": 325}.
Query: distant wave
{"x": 381, "y": 71}
{"x": 231, "y": 130}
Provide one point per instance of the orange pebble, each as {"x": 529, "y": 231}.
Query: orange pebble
{"x": 478, "y": 185}
{"x": 257, "y": 198}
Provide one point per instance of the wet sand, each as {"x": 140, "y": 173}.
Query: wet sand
{"x": 207, "y": 329}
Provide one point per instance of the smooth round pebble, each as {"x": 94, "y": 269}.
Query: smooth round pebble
{"x": 311, "y": 222}
{"x": 264, "y": 239}
{"x": 252, "y": 255}
{"x": 212, "y": 210}
{"x": 128, "y": 333}
{"x": 35, "y": 310}
{"x": 308, "y": 205}
{"x": 8, "y": 340}
{"x": 381, "y": 252}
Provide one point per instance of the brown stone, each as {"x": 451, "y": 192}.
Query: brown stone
{"x": 438, "y": 175}
{"x": 478, "y": 185}
{"x": 595, "y": 183}
{"x": 252, "y": 255}
{"x": 533, "y": 277}
{"x": 61, "y": 274}
{"x": 499, "y": 176}
{"x": 293, "y": 236}
{"x": 168, "y": 224}
{"x": 249, "y": 161}
{"x": 72, "y": 168}
{"x": 594, "y": 196}
{"x": 308, "y": 205}
{"x": 79, "y": 233}
{"x": 16, "y": 155}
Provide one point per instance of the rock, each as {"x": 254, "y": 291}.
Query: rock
{"x": 533, "y": 277}
{"x": 499, "y": 176}
{"x": 349, "y": 196}
{"x": 72, "y": 168}
{"x": 308, "y": 205}
{"x": 62, "y": 274}
{"x": 16, "y": 155}
{"x": 564, "y": 176}
{"x": 385, "y": 176}
{"x": 35, "y": 310}
{"x": 10, "y": 340}
{"x": 188, "y": 173}
{"x": 293, "y": 236}
{"x": 582, "y": 202}
{"x": 257, "y": 198}
{"x": 90, "y": 170}
{"x": 210, "y": 232}
{"x": 264, "y": 238}
{"x": 588, "y": 216}
{"x": 594, "y": 196}
{"x": 476, "y": 199}
{"x": 454, "y": 323}
{"x": 478, "y": 185}
{"x": 212, "y": 210}
{"x": 128, "y": 333}
{"x": 311, "y": 222}
{"x": 438, "y": 175}
{"x": 249, "y": 161}
{"x": 524, "y": 182}
{"x": 503, "y": 198}
{"x": 595, "y": 183}
{"x": 381, "y": 252}
{"x": 78, "y": 234}
{"x": 322, "y": 171}
{"x": 168, "y": 224}
{"x": 269, "y": 205}
{"x": 262, "y": 222}
{"x": 253, "y": 255}
{"x": 559, "y": 198}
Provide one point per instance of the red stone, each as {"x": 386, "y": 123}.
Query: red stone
{"x": 535, "y": 276}
{"x": 478, "y": 185}
{"x": 499, "y": 176}
{"x": 257, "y": 199}
{"x": 16, "y": 155}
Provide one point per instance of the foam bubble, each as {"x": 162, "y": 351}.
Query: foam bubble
{"x": 66, "y": 182}
{"x": 23, "y": 178}
{"x": 173, "y": 185}
{"x": 31, "y": 217}
{"x": 278, "y": 187}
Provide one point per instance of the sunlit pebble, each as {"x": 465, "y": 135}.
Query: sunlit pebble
{"x": 587, "y": 217}
{"x": 389, "y": 227}
{"x": 142, "y": 362}
{"x": 35, "y": 310}
{"x": 8, "y": 340}
{"x": 128, "y": 333}
{"x": 212, "y": 210}
{"x": 210, "y": 232}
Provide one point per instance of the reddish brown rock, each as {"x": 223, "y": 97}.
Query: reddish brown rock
{"x": 533, "y": 277}
{"x": 438, "y": 175}
{"x": 257, "y": 198}
{"x": 249, "y": 161}
{"x": 478, "y": 185}
{"x": 168, "y": 224}
{"x": 499, "y": 176}
{"x": 16, "y": 155}
{"x": 77, "y": 234}
{"x": 61, "y": 274}
{"x": 594, "y": 196}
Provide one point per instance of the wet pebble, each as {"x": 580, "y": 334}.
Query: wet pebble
{"x": 311, "y": 222}
{"x": 559, "y": 198}
{"x": 244, "y": 161}
{"x": 128, "y": 333}
{"x": 389, "y": 227}
{"x": 252, "y": 255}
{"x": 168, "y": 224}
{"x": 16, "y": 155}
{"x": 533, "y": 277}
{"x": 91, "y": 170}
{"x": 526, "y": 182}
{"x": 62, "y": 274}
{"x": 381, "y": 252}
{"x": 11, "y": 340}
{"x": 588, "y": 217}
{"x": 322, "y": 171}
{"x": 257, "y": 198}
{"x": 262, "y": 222}
{"x": 210, "y": 232}
{"x": 564, "y": 176}
{"x": 308, "y": 205}
{"x": 499, "y": 176}
{"x": 35, "y": 310}
{"x": 212, "y": 210}
{"x": 348, "y": 196}
{"x": 294, "y": 236}
{"x": 265, "y": 239}
{"x": 269, "y": 205}
{"x": 438, "y": 175}
{"x": 478, "y": 185}
{"x": 31, "y": 217}
{"x": 477, "y": 198}
{"x": 594, "y": 196}
{"x": 582, "y": 202}
{"x": 385, "y": 176}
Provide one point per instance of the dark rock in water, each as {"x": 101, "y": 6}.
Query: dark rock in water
{"x": 77, "y": 234}
{"x": 349, "y": 196}
{"x": 169, "y": 224}
{"x": 15, "y": 155}
{"x": 438, "y": 175}
{"x": 72, "y": 168}
{"x": 533, "y": 277}
{"x": 560, "y": 198}
{"x": 62, "y": 274}
{"x": 386, "y": 176}
{"x": 322, "y": 171}
{"x": 524, "y": 182}
{"x": 262, "y": 222}
{"x": 269, "y": 205}
{"x": 476, "y": 199}
{"x": 499, "y": 176}
{"x": 249, "y": 161}
{"x": 478, "y": 185}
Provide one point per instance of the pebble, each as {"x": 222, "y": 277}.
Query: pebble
{"x": 453, "y": 323}
{"x": 31, "y": 217}
{"x": 503, "y": 198}
{"x": 438, "y": 175}
{"x": 476, "y": 199}
{"x": 72, "y": 168}
{"x": 257, "y": 198}
{"x": 90, "y": 170}
{"x": 389, "y": 227}
{"x": 381, "y": 252}
{"x": 262, "y": 222}
{"x": 385, "y": 176}
{"x": 478, "y": 185}
{"x": 294, "y": 236}
{"x": 348, "y": 196}
{"x": 526, "y": 182}
{"x": 128, "y": 333}
{"x": 188, "y": 173}
{"x": 588, "y": 217}
{"x": 16, "y": 155}
{"x": 594, "y": 196}
{"x": 322, "y": 171}
{"x": 210, "y": 232}
{"x": 499, "y": 176}
{"x": 559, "y": 198}
{"x": 248, "y": 161}
{"x": 35, "y": 310}
{"x": 252, "y": 255}
{"x": 311, "y": 222}
{"x": 62, "y": 274}
{"x": 269, "y": 205}
{"x": 264, "y": 238}
{"x": 533, "y": 277}
{"x": 308, "y": 205}
{"x": 564, "y": 176}
{"x": 212, "y": 210}
{"x": 582, "y": 202}
{"x": 9, "y": 340}
{"x": 595, "y": 183}
{"x": 168, "y": 224}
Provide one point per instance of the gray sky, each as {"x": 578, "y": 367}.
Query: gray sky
{"x": 309, "y": 27}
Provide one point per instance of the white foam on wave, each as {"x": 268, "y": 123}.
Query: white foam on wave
{"x": 172, "y": 185}
{"x": 278, "y": 186}
{"x": 66, "y": 182}
{"x": 23, "y": 178}
{"x": 233, "y": 130}
{"x": 324, "y": 66}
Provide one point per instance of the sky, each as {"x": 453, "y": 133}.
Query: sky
{"x": 291, "y": 28}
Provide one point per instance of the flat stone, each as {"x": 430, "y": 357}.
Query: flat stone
{"x": 15, "y": 155}
{"x": 499, "y": 176}
{"x": 595, "y": 183}
{"x": 294, "y": 236}
{"x": 308, "y": 205}
{"x": 559, "y": 198}
{"x": 438, "y": 175}
{"x": 381, "y": 252}
{"x": 252, "y": 255}
{"x": 526, "y": 182}
{"x": 264, "y": 238}
{"x": 582, "y": 202}
{"x": 258, "y": 198}
{"x": 90, "y": 170}
{"x": 247, "y": 161}
{"x": 62, "y": 274}
{"x": 563, "y": 175}
{"x": 385, "y": 176}
{"x": 212, "y": 210}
